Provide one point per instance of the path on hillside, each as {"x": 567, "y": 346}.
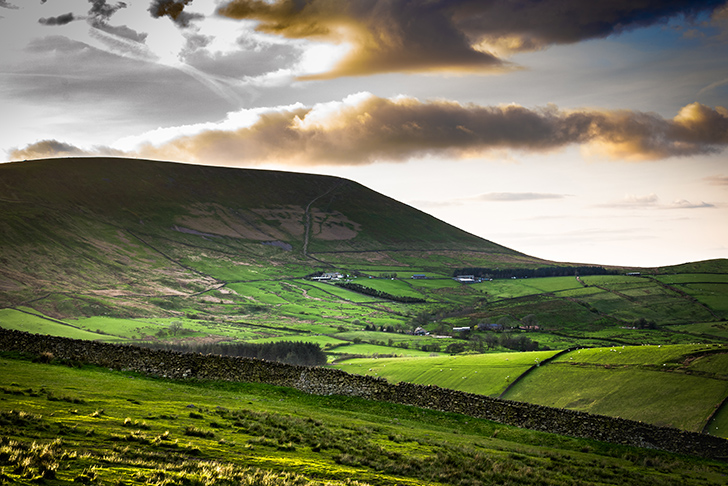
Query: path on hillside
{"x": 307, "y": 217}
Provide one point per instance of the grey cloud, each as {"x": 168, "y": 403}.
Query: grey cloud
{"x": 54, "y": 148}
{"x": 685, "y": 204}
{"x": 174, "y": 9}
{"x": 6, "y": 4}
{"x": 60, "y": 20}
{"x": 121, "y": 31}
{"x": 536, "y": 24}
{"x": 102, "y": 10}
{"x": 652, "y": 201}
{"x": 451, "y": 35}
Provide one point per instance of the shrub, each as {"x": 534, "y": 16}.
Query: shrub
{"x": 192, "y": 431}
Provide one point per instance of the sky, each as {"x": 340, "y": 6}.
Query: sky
{"x": 583, "y": 132}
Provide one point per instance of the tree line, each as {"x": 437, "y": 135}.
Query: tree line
{"x": 289, "y": 352}
{"x": 555, "y": 271}
{"x": 378, "y": 293}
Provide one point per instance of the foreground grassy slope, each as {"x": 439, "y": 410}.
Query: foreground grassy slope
{"x": 62, "y": 425}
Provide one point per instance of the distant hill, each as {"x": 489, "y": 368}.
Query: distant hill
{"x": 114, "y": 225}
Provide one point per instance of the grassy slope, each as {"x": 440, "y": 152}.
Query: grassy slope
{"x": 66, "y": 425}
{"x": 677, "y": 385}
{"x": 663, "y": 385}
{"x": 485, "y": 374}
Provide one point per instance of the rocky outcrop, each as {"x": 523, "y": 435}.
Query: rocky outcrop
{"x": 324, "y": 381}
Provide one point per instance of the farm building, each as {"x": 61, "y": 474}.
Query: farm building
{"x": 329, "y": 276}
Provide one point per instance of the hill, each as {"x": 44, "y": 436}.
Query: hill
{"x": 122, "y": 227}
{"x": 137, "y": 250}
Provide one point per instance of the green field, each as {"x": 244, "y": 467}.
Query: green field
{"x": 61, "y": 425}
{"x": 678, "y": 386}
{"x": 31, "y": 321}
{"x": 486, "y": 374}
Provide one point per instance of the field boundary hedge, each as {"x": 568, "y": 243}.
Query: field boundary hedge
{"x": 327, "y": 381}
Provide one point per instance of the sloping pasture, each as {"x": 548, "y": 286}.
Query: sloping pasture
{"x": 663, "y": 385}
{"x": 485, "y": 374}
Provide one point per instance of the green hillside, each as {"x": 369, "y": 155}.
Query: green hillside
{"x": 678, "y": 386}
{"x": 681, "y": 386}
{"x": 192, "y": 257}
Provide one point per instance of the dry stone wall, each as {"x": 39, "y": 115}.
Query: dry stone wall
{"x": 325, "y": 381}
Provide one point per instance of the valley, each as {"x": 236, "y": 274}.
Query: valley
{"x": 193, "y": 258}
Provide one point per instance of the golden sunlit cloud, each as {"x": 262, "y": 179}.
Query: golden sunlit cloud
{"x": 363, "y": 129}
{"x": 458, "y": 36}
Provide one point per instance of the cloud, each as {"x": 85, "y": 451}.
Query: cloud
{"x": 717, "y": 180}
{"x": 98, "y": 17}
{"x": 455, "y": 35}
{"x": 652, "y": 201}
{"x": 102, "y": 11}
{"x": 490, "y": 197}
{"x": 174, "y": 9}
{"x": 59, "y": 20}
{"x": 631, "y": 201}
{"x": 516, "y": 196}
{"x": 6, "y": 4}
{"x": 685, "y": 204}
{"x": 54, "y": 148}
{"x": 364, "y": 128}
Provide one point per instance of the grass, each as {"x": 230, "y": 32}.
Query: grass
{"x": 37, "y": 324}
{"x": 484, "y": 374}
{"x": 663, "y": 385}
{"x": 134, "y": 430}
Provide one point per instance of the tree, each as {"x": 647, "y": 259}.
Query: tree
{"x": 175, "y": 328}
{"x": 504, "y": 323}
{"x": 421, "y": 319}
{"x": 491, "y": 340}
{"x": 455, "y": 348}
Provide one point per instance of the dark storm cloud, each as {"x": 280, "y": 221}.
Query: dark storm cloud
{"x": 60, "y": 20}
{"x": 103, "y": 11}
{"x": 451, "y": 35}
{"x": 174, "y": 9}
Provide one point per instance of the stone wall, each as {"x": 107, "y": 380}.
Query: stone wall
{"x": 325, "y": 381}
